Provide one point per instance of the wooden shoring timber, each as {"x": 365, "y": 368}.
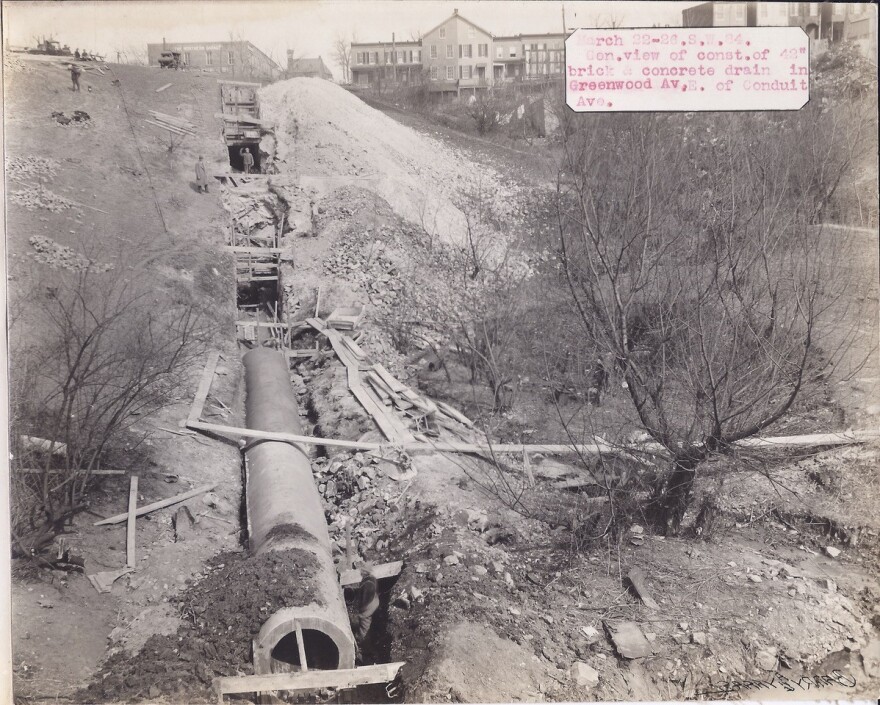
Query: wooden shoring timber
{"x": 268, "y": 324}
{"x": 162, "y": 88}
{"x": 53, "y": 471}
{"x": 283, "y": 437}
{"x": 267, "y": 251}
{"x": 161, "y": 504}
{"x": 307, "y": 680}
{"x": 195, "y": 412}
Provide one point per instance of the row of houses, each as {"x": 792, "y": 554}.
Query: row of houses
{"x": 458, "y": 54}
{"x": 823, "y": 21}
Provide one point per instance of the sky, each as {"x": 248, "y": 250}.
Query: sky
{"x": 308, "y": 27}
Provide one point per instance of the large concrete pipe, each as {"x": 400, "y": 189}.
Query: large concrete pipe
{"x": 284, "y": 512}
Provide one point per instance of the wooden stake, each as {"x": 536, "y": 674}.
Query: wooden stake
{"x": 132, "y": 521}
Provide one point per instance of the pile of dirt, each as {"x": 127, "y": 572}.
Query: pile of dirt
{"x": 323, "y": 130}
{"x": 60, "y": 256}
{"x": 79, "y": 118}
{"x": 222, "y": 611}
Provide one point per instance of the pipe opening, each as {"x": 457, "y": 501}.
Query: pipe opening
{"x": 260, "y": 295}
{"x": 236, "y": 159}
{"x": 321, "y": 652}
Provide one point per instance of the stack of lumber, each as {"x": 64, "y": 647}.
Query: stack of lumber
{"x": 381, "y": 394}
{"x": 172, "y": 124}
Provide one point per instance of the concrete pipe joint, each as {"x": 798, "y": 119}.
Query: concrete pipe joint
{"x": 284, "y": 513}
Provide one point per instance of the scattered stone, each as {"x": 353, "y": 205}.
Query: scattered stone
{"x": 451, "y": 559}
{"x": 628, "y": 639}
{"x": 479, "y": 570}
{"x": 766, "y": 659}
{"x": 755, "y": 578}
{"x": 684, "y": 626}
{"x": 700, "y": 638}
{"x": 592, "y": 634}
{"x": 584, "y": 675}
{"x": 827, "y": 584}
{"x": 833, "y": 552}
{"x": 514, "y": 611}
{"x": 422, "y": 568}
{"x": 547, "y": 618}
{"x": 636, "y": 529}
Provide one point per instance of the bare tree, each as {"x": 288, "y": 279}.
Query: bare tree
{"x": 689, "y": 251}
{"x": 342, "y": 56}
{"x": 132, "y": 54}
{"x": 109, "y": 349}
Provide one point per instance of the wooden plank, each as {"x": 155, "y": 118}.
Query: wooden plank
{"x": 239, "y": 83}
{"x": 132, "y": 522}
{"x": 636, "y": 577}
{"x": 239, "y": 117}
{"x": 300, "y": 645}
{"x": 195, "y": 412}
{"x": 454, "y": 413}
{"x": 312, "y": 680}
{"x": 385, "y": 570}
{"x": 167, "y": 127}
{"x": 254, "y": 250}
{"x": 161, "y": 504}
{"x": 284, "y": 437}
{"x": 162, "y": 88}
{"x": 52, "y": 471}
{"x": 393, "y": 383}
{"x": 269, "y": 324}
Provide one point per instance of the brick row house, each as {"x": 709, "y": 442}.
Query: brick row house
{"x": 459, "y": 55}
{"x": 826, "y": 22}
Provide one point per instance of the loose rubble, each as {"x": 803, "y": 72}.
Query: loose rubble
{"x": 60, "y": 256}
{"x": 35, "y": 197}
{"x": 22, "y": 168}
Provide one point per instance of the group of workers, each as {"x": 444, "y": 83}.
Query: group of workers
{"x": 247, "y": 160}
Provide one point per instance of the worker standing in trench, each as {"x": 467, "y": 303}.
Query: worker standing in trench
{"x": 368, "y": 603}
{"x": 247, "y": 159}
{"x": 201, "y": 175}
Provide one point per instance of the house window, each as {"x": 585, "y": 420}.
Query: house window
{"x": 230, "y": 58}
{"x": 467, "y": 71}
{"x": 450, "y": 73}
{"x": 450, "y": 51}
{"x": 419, "y": 56}
{"x": 209, "y": 58}
{"x": 443, "y": 33}
{"x": 433, "y": 51}
{"x": 483, "y": 50}
{"x": 375, "y": 57}
{"x": 433, "y": 73}
{"x": 465, "y": 51}
{"x": 512, "y": 52}
{"x": 499, "y": 52}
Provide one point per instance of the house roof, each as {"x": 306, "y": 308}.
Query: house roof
{"x": 463, "y": 19}
{"x": 310, "y": 65}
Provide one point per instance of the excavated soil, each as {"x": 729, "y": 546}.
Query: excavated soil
{"x": 221, "y": 613}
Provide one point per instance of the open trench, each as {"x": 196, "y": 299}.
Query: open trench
{"x": 283, "y": 508}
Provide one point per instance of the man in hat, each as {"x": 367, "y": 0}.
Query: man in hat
{"x": 247, "y": 160}
{"x": 201, "y": 176}
{"x": 75, "y": 72}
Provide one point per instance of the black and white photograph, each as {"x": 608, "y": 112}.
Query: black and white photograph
{"x": 440, "y": 351}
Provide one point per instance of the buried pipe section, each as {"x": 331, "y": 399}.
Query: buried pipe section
{"x": 284, "y": 512}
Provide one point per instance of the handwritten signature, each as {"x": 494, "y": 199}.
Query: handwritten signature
{"x": 788, "y": 684}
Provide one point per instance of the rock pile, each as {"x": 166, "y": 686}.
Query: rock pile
{"x": 13, "y": 63}
{"x": 38, "y": 197}
{"x": 368, "y": 265}
{"x": 21, "y": 168}
{"x": 59, "y": 256}
{"x": 361, "y": 491}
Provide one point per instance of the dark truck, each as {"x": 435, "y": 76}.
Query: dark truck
{"x": 169, "y": 60}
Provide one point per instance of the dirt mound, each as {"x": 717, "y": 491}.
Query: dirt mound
{"x": 222, "y": 612}
{"x": 323, "y": 130}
